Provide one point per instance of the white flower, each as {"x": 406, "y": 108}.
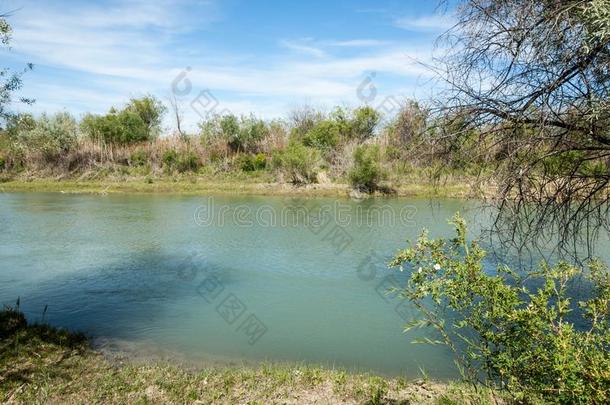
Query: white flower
{"x": 419, "y": 270}
{"x": 437, "y": 267}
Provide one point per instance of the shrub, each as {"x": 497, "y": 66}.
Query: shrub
{"x": 18, "y": 124}
{"x": 260, "y": 161}
{"x": 124, "y": 127}
{"x": 210, "y": 130}
{"x": 328, "y": 133}
{"x": 525, "y": 334}
{"x": 298, "y": 163}
{"x": 139, "y": 158}
{"x": 364, "y": 122}
{"x": 101, "y": 128}
{"x": 50, "y": 136}
{"x": 240, "y": 134}
{"x": 245, "y": 163}
{"x": 182, "y": 162}
{"x": 409, "y": 125}
{"x": 132, "y": 128}
{"x": 215, "y": 155}
{"x": 150, "y": 111}
{"x": 188, "y": 162}
{"x": 325, "y": 135}
{"x": 250, "y": 163}
{"x": 229, "y": 126}
{"x": 169, "y": 159}
{"x": 366, "y": 173}
{"x": 303, "y": 119}
{"x": 11, "y": 155}
{"x": 139, "y": 121}
{"x": 252, "y": 131}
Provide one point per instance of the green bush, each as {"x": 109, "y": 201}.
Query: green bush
{"x": 325, "y": 135}
{"x": 525, "y": 334}
{"x": 181, "y": 162}
{"x": 302, "y": 120}
{"x": 366, "y": 172}
{"x": 116, "y": 127}
{"x": 240, "y": 134}
{"x": 245, "y": 163}
{"x": 188, "y": 162}
{"x": 139, "y": 158}
{"x": 139, "y": 121}
{"x": 150, "y": 111}
{"x": 250, "y": 163}
{"x": 11, "y": 154}
{"x": 364, "y": 122}
{"x": 251, "y": 131}
{"x": 341, "y": 125}
{"x": 51, "y": 136}
{"x": 18, "y": 124}
{"x": 298, "y": 163}
{"x": 260, "y": 161}
{"x": 229, "y": 125}
{"x": 169, "y": 159}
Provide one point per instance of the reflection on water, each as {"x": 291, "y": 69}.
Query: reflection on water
{"x": 154, "y": 272}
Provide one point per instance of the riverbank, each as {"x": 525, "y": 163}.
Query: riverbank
{"x": 41, "y": 364}
{"x": 193, "y": 185}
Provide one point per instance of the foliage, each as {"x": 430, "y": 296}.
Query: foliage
{"x": 459, "y": 152}
{"x": 366, "y": 172}
{"x": 250, "y": 163}
{"x": 240, "y": 134}
{"x": 410, "y": 124}
{"x": 260, "y": 161}
{"x": 341, "y": 125}
{"x": 544, "y": 69}
{"x": 185, "y": 161}
{"x": 9, "y": 153}
{"x": 324, "y": 135}
{"x": 302, "y": 120}
{"x": 298, "y": 163}
{"x": 52, "y": 136}
{"x": 150, "y": 110}
{"x": 10, "y": 81}
{"x": 230, "y": 131}
{"x": 139, "y": 158}
{"x": 252, "y": 130}
{"x": 138, "y": 121}
{"x": 364, "y": 122}
{"x": 524, "y": 334}
{"x": 227, "y": 143}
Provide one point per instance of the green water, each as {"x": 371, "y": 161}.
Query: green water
{"x": 229, "y": 279}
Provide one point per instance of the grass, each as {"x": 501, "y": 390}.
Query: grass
{"x": 41, "y": 364}
{"x": 193, "y": 184}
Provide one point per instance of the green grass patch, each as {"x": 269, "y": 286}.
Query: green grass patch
{"x": 42, "y": 364}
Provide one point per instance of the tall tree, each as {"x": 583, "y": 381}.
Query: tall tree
{"x": 533, "y": 76}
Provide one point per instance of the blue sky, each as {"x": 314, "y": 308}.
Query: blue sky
{"x": 264, "y": 57}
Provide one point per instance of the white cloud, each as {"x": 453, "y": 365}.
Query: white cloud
{"x": 428, "y": 23}
{"x": 358, "y": 43}
{"x": 127, "y": 49}
{"x": 303, "y": 49}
